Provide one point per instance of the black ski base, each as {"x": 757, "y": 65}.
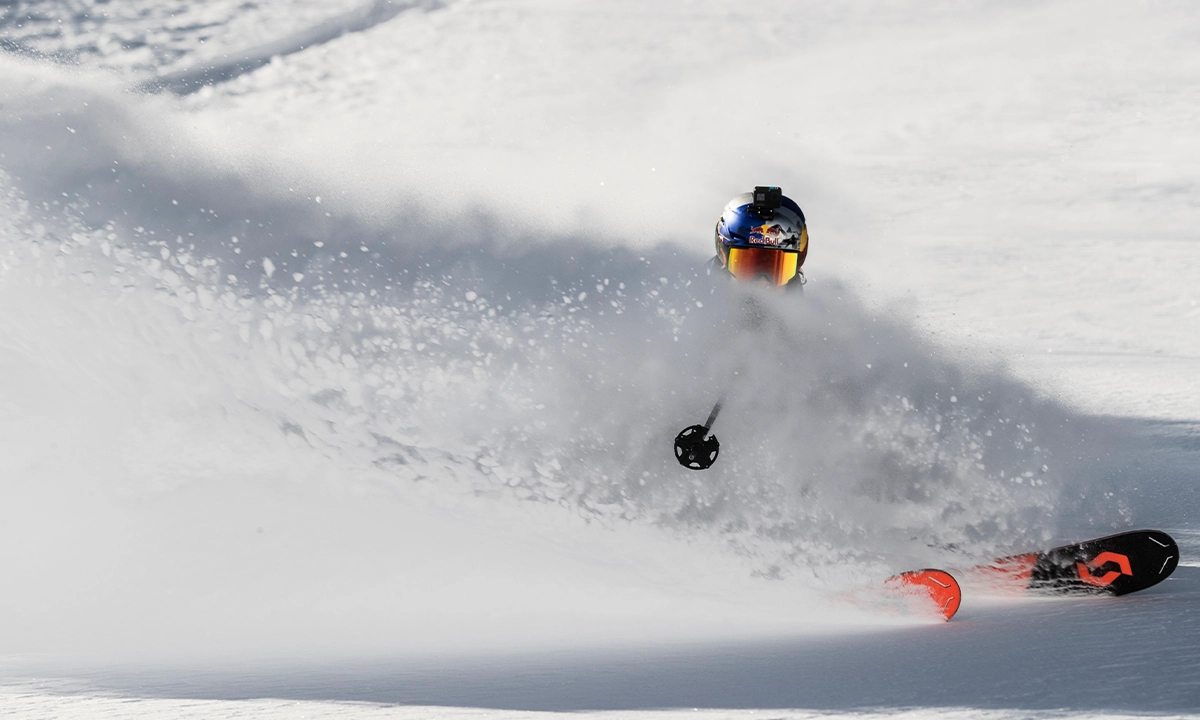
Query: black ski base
{"x": 1114, "y": 565}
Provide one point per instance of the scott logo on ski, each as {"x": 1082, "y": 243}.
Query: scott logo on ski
{"x": 1085, "y": 570}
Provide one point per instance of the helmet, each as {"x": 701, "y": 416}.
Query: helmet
{"x": 762, "y": 236}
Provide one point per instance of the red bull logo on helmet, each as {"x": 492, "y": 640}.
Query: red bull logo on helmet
{"x": 773, "y": 235}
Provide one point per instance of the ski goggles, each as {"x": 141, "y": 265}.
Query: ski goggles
{"x": 755, "y": 263}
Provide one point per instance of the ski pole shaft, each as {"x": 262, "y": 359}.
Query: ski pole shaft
{"x": 712, "y": 416}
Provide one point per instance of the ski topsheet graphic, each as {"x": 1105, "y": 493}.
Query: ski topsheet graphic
{"x": 929, "y": 589}
{"x": 1115, "y": 565}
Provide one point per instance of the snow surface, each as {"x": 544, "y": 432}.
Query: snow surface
{"x": 348, "y": 379}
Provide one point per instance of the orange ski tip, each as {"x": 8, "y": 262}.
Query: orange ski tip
{"x": 938, "y": 585}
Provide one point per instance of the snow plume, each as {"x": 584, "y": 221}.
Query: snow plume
{"x": 186, "y": 344}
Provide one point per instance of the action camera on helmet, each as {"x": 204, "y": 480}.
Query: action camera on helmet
{"x": 768, "y": 198}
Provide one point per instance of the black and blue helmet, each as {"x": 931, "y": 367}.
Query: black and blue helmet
{"x": 762, "y": 234}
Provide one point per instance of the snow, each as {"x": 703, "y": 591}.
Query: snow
{"x": 344, "y": 386}
{"x": 75, "y": 707}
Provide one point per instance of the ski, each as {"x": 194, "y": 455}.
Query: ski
{"x": 927, "y": 589}
{"x": 1114, "y": 565}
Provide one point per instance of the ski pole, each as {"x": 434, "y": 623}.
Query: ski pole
{"x": 695, "y": 448}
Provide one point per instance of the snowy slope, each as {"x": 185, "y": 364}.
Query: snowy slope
{"x": 352, "y": 375}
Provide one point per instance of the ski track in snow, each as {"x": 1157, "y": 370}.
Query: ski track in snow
{"x": 386, "y": 418}
{"x": 145, "y": 37}
{"x": 193, "y": 79}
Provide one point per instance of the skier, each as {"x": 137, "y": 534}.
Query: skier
{"x": 762, "y": 237}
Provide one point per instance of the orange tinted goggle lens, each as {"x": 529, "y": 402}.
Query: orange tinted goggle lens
{"x": 777, "y": 266}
